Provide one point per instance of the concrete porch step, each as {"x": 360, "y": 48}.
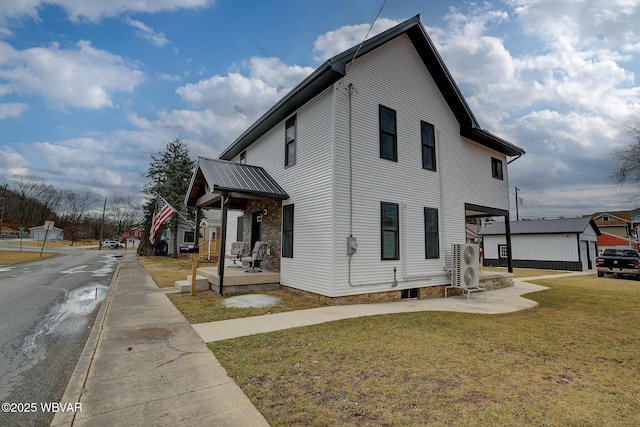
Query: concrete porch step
{"x": 202, "y": 284}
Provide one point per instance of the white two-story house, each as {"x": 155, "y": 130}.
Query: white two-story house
{"x": 363, "y": 175}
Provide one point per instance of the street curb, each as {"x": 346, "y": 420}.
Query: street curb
{"x": 75, "y": 387}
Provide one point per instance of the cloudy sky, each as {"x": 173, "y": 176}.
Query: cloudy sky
{"x": 90, "y": 89}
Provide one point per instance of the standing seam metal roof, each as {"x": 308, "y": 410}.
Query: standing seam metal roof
{"x": 547, "y": 226}
{"x": 224, "y": 176}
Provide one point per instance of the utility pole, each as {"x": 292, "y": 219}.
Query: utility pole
{"x": 517, "y": 201}
{"x": 2, "y": 200}
{"x": 104, "y": 208}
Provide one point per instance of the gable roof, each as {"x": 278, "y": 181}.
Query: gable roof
{"x": 614, "y": 218}
{"x": 213, "y": 176}
{"x": 544, "y": 226}
{"x": 336, "y": 67}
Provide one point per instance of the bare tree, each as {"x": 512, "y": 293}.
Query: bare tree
{"x": 37, "y": 200}
{"x": 628, "y": 159}
{"x": 124, "y": 213}
{"x": 74, "y": 214}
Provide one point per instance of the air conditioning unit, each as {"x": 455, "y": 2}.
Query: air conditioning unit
{"x": 465, "y": 269}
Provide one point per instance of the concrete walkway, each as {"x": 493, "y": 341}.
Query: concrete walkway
{"x": 144, "y": 365}
{"x": 498, "y": 301}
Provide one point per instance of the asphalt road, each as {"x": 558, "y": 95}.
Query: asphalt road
{"x": 47, "y": 308}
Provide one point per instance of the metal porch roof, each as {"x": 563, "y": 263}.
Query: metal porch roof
{"x": 213, "y": 176}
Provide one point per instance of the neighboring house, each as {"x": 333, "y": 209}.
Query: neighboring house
{"x": 616, "y": 223}
{"x": 553, "y": 244}
{"x": 383, "y": 151}
{"x": 186, "y": 235}
{"x": 611, "y": 241}
{"x": 39, "y": 232}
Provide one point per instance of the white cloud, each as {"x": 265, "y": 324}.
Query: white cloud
{"x": 336, "y": 41}
{"x": 147, "y": 33}
{"x": 94, "y": 10}
{"x": 13, "y": 109}
{"x": 84, "y": 77}
{"x": 12, "y": 163}
{"x": 169, "y": 77}
{"x": 237, "y": 99}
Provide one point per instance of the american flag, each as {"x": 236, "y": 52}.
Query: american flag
{"x": 162, "y": 213}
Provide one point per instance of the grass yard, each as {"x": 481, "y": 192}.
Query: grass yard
{"x": 165, "y": 270}
{"x": 15, "y": 257}
{"x": 571, "y": 361}
{"x": 207, "y": 306}
{"x": 59, "y": 243}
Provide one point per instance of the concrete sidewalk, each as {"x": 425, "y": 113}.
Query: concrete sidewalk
{"x": 143, "y": 364}
{"x": 498, "y": 301}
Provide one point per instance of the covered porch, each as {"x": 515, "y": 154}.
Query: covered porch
{"x": 223, "y": 185}
{"x": 477, "y": 211}
{"x": 238, "y": 280}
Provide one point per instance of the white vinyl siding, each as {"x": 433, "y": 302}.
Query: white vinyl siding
{"x": 309, "y": 186}
{"x": 393, "y": 76}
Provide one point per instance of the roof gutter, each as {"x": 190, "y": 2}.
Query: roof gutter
{"x": 514, "y": 159}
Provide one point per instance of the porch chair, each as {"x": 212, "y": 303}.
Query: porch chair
{"x": 257, "y": 255}
{"x": 238, "y": 250}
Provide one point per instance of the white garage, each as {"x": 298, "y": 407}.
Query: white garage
{"x": 552, "y": 244}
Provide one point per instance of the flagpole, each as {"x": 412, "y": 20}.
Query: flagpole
{"x": 177, "y": 211}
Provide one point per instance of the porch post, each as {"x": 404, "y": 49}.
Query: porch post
{"x": 196, "y": 238}
{"x": 507, "y": 232}
{"x": 224, "y": 204}
{"x": 196, "y": 256}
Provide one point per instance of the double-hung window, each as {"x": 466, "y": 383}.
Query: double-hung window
{"x": 390, "y": 230}
{"x": 388, "y": 134}
{"x": 496, "y": 168}
{"x": 290, "y": 142}
{"x": 431, "y": 235}
{"x": 287, "y": 231}
{"x": 428, "y": 146}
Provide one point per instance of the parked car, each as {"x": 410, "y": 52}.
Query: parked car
{"x": 619, "y": 262}
{"x": 112, "y": 244}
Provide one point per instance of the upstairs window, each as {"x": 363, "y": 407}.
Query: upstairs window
{"x": 290, "y": 142}
{"x": 388, "y": 134}
{"x": 390, "y": 231}
{"x": 496, "y": 168}
{"x": 428, "y": 146}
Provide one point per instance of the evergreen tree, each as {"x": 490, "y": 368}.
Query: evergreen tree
{"x": 169, "y": 176}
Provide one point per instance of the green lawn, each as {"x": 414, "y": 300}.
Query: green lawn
{"x": 571, "y": 361}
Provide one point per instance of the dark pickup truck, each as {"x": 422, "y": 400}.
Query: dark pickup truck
{"x": 619, "y": 262}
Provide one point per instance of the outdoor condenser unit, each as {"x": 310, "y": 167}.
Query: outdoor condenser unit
{"x": 465, "y": 269}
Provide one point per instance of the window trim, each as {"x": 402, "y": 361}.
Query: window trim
{"x": 497, "y": 174}
{"x": 287, "y": 230}
{"x": 427, "y": 233}
{"x": 382, "y": 132}
{"x": 243, "y": 157}
{"x": 396, "y": 231}
{"x": 184, "y": 236}
{"x": 291, "y": 122}
{"x": 431, "y": 146}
